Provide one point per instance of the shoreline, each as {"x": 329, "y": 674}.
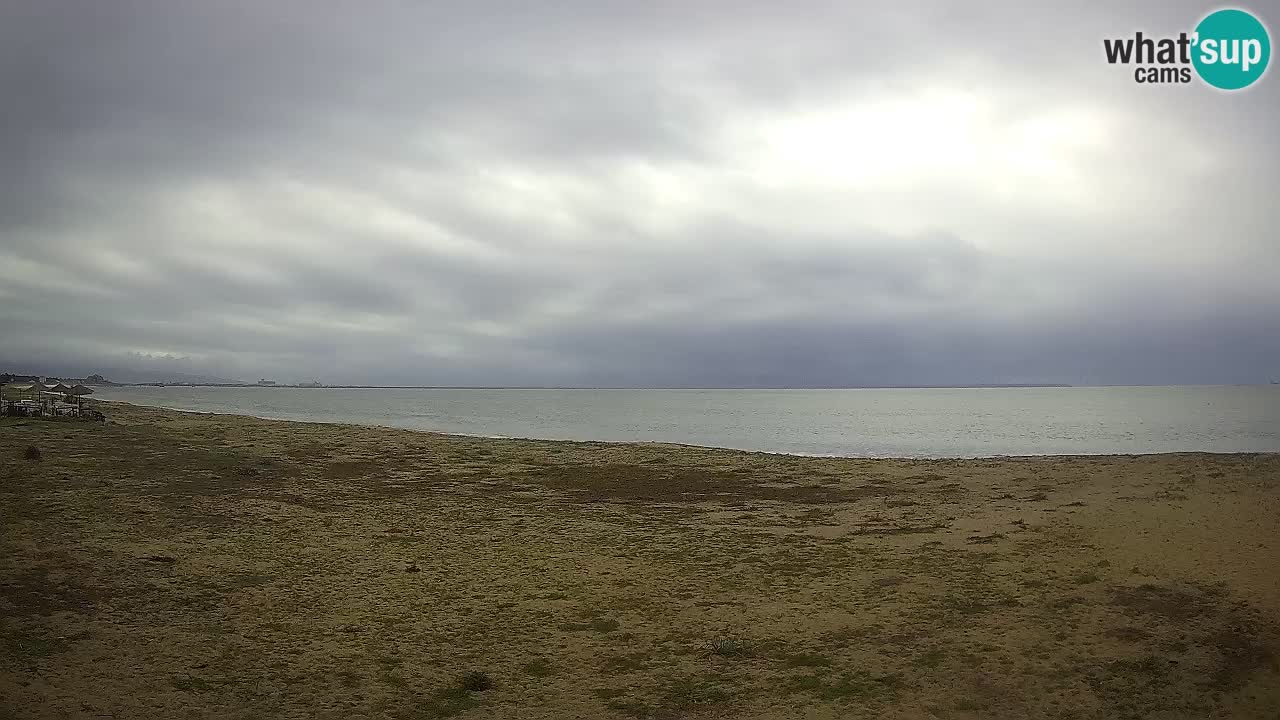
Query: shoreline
{"x": 175, "y": 564}
{"x": 443, "y": 433}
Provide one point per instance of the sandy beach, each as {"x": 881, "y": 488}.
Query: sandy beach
{"x": 175, "y": 565}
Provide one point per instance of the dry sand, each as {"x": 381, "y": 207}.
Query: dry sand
{"x": 171, "y": 565}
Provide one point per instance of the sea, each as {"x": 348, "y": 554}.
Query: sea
{"x": 917, "y": 423}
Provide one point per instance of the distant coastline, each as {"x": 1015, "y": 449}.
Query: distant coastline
{"x": 317, "y": 386}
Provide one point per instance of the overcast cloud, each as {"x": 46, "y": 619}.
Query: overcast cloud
{"x": 620, "y": 193}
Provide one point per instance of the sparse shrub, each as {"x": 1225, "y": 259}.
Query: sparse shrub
{"x": 730, "y": 647}
{"x": 476, "y": 681}
{"x": 32, "y": 453}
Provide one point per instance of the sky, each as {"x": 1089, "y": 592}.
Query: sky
{"x": 600, "y": 193}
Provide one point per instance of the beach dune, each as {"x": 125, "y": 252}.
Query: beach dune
{"x": 170, "y": 564}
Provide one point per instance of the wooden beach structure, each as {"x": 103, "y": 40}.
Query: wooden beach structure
{"x": 37, "y": 399}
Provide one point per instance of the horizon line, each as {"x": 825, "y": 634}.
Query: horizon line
{"x": 972, "y": 386}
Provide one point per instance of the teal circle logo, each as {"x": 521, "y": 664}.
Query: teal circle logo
{"x": 1232, "y": 49}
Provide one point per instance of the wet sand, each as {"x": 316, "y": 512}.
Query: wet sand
{"x": 177, "y": 565}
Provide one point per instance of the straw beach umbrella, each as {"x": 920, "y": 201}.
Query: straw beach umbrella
{"x": 79, "y": 391}
{"x": 32, "y": 390}
{"x": 60, "y": 390}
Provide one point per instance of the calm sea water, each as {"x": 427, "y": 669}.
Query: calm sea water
{"x": 874, "y": 423}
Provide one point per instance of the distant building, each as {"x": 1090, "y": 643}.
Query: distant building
{"x": 266, "y": 382}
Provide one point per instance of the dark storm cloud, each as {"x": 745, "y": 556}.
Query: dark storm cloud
{"x": 626, "y": 194}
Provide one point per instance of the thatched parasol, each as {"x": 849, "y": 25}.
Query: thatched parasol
{"x": 30, "y": 390}
{"x": 79, "y": 391}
